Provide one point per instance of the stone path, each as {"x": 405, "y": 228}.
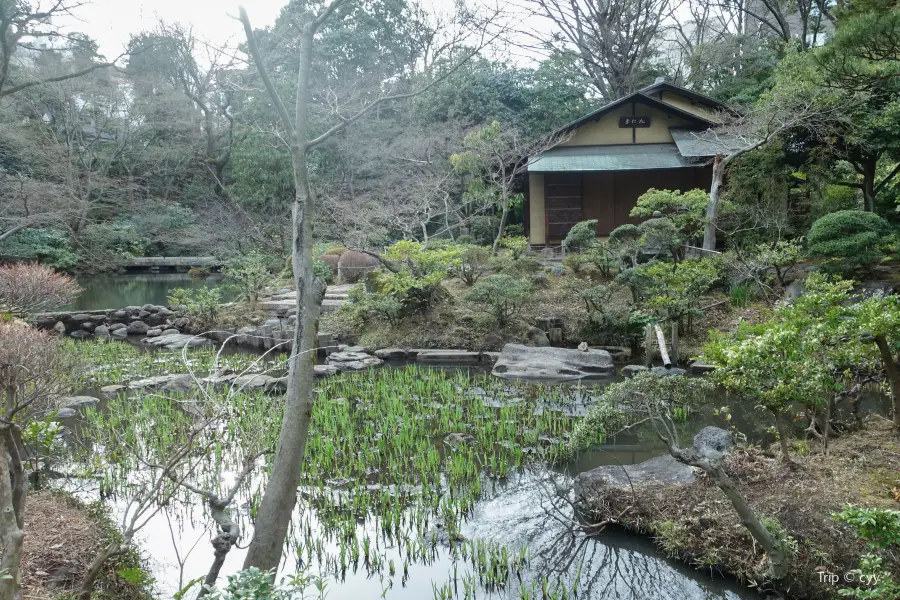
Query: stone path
{"x": 285, "y": 300}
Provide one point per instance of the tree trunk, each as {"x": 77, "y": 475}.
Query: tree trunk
{"x": 712, "y": 209}
{"x": 87, "y": 584}
{"x": 893, "y": 373}
{"x": 777, "y": 556}
{"x": 276, "y": 508}
{"x": 868, "y": 173}
{"x": 11, "y": 537}
{"x": 782, "y": 436}
{"x": 503, "y": 219}
{"x": 221, "y": 544}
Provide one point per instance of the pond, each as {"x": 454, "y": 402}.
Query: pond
{"x": 119, "y": 291}
{"x": 384, "y": 494}
{"x": 381, "y": 484}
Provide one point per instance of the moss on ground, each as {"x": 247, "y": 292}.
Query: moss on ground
{"x": 697, "y": 524}
{"x": 63, "y": 535}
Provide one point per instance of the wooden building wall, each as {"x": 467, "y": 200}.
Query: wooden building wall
{"x": 607, "y": 196}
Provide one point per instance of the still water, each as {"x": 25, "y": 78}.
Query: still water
{"x": 119, "y": 291}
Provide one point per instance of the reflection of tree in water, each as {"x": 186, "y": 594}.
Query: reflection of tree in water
{"x": 612, "y": 565}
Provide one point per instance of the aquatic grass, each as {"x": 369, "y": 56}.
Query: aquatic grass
{"x": 110, "y": 362}
{"x": 395, "y": 463}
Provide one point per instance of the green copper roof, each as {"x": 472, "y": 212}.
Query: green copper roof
{"x": 626, "y": 157}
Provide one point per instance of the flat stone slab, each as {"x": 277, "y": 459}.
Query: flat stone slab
{"x": 175, "y": 341}
{"x": 77, "y": 402}
{"x": 348, "y": 361}
{"x": 632, "y": 370}
{"x": 548, "y": 363}
{"x": 449, "y": 357}
{"x": 155, "y": 382}
{"x": 325, "y": 370}
{"x": 662, "y": 470}
{"x": 391, "y": 353}
{"x": 698, "y": 366}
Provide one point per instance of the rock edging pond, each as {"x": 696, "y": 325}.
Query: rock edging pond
{"x": 693, "y": 521}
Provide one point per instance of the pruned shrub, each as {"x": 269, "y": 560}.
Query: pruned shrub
{"x": 202, "y": 304}
{"x": 501, "y": 296}
{"x": 30, "y": 287}
{"x": 849, "y": 240}
{"x": 685, "y": 210}
{"x": 660, "y": 237}
{"x": 334, "y": 251}
{"x": 581, "y": 236}
{"x": 331, "y": 260}
{"x": 602, "y": 258}
{"x": 251, "y": 272}
{"x": 578, "y": 264}
{"x": 610, "y": 320}
{"x": 517, "y": 245}
{"x": 625, "y": 242}
{"x": 416, "y": 273}
{"x": 671, "y": 291}
{"x": 353, "y": 266}
{"x": 323, "y": 270}
{"x": 474, "y": 263}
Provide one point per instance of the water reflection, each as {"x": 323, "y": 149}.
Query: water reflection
{"x": 518, "y": 512}
{"x": 611, "y": 565}
{"x": 119, "y": 291}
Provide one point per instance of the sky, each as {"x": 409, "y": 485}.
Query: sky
{"x": 111, "y": 22}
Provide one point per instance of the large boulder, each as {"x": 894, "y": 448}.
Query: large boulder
{"x": 353, "y": 361}
{"x": 525, "y": 362}
{"x": 662, "y": 470}
{"x": 537, "y": 337}
{"x": 138, "y": 328}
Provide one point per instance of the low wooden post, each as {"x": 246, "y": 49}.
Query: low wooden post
{"x": 661, "y": 340}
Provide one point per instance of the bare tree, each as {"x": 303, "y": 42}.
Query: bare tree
{"x": 281, "y": 491}
{"x": 498, "y": 157}
{"x": 741, "y": 134}
{"x": 612, "y": 38}
{"x": 24, "y": 25}
{"x": 200, "y": 72}
{"x": 34, "y": 371}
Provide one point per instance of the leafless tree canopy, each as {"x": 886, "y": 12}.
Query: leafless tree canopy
{"x": 612, "y": 38}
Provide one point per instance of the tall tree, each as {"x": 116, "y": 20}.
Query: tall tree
{"x": 280, "y": 495}
{"x": 861, "y": 67}
{"x": 613, "y": 39}
{"x": 175, "y": 55}
{"x": 25, "y": 26}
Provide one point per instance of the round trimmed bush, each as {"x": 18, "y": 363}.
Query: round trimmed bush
{"x": 851, "y": 239}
